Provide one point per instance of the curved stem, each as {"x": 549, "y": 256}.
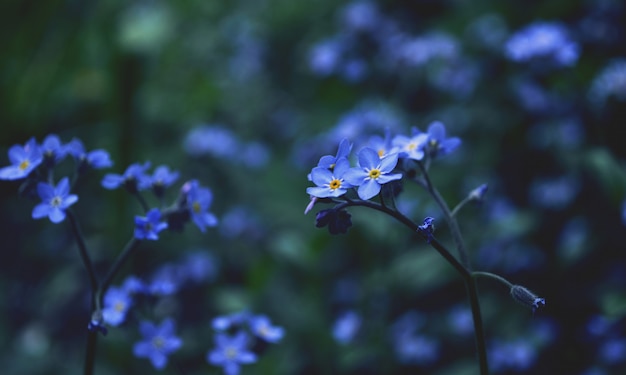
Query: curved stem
{"x": 142, "y": 201}
{"x": 84, "y": 254}
{"x": 458, "y": 207}
{"x": 454, "y": 227}
{"x": 493, "y": 276}
{"x": 119, "y": 262}
{"x": 466, "y": 274}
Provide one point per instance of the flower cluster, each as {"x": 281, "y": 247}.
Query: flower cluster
{"x": 234, "y": 340}
{"x": 543, "y": 40}
{"x": 382, "y": 161}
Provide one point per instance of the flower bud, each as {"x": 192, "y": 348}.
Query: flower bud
{"x": 526, "y": 297}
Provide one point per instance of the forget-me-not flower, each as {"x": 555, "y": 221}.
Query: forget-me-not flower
{"x": 411, "y": 147}
{"x": 159, "y": 341}
{"x": 198, "y": 201}
{"x": 262, "y": 327}
{"x": 547, "y": 40}
{"x": 53, "y": 150}
{"x": 117, "y": 301}
{"x": 96, "y": 159}
{"x": 330, "y": 183}
{"x": 148, "y": 227}
{"x": 231, "y": 352}
{"x": 23, "y": 160}
{"x": 55, "y": 200}
{"x": 134, "y": 178}
{"x": 372, "y": 173}
{"x": 437, "y": 143}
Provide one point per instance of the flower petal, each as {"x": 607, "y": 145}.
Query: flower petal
{"x": 368, "y": 189}
{"x": 388, "y": 163}
{"x": 355, "y": 176}
{"x": 368, "y": 158}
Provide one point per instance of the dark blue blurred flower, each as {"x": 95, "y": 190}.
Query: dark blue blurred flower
{"x": 224, "y": 322}
{"x": 372, "y": 173}
{"x": 613, "y": 351}
{"x": 254, "y": 155}
{"x": 133, "y": 285}
{"x": 546, "y": 40}
{"x": 346, "y": 327}
{"x": 324, "y": 57}
{"x": 437, "y": 143}
{"x": 515, "y": 355}
{"x": 158, "y": 342}
{"x": 461, "y": 321}
{"x": 216, "y": 140}
{"x": 53, "y": 150}
{"x": 360, "y": 16}
{"x": 55, "y": 200}
{"x": 96, "y": 159}
{"x": 330, "y": 183}
{"x": 338, "y": 221}
{"x": 23, "y": 160}
{"x": 416, "y": 349}
{"x": 554, "y": 192}
{"x": 117, "y": 301}
{"x": 231, "y": 352}
{"x": 262, "y": 327}
{"x": 148, "y": 227}
{"x": 610, "y": 82}
{"x": 199, "y": 266}
{"x": 199, "y": 200}
{"x": 133, "y": 179}
{"x": 163, "y": 177}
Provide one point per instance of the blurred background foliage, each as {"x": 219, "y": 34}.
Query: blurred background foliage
{"x": 245, "y": 96}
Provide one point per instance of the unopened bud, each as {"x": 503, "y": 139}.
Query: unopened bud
{"x": 526, "y": 297}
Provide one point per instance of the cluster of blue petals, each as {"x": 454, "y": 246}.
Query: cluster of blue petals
{"x": 234, "y": 339}
{"x": 377, "y": 162}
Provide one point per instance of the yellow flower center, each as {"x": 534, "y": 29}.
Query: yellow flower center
{"x": 374, "y": 173}
{"x": 24, "y": 164}
{"x": 119, "y": 306}
{"x": 158, "y": 342}
{"x": 230, "y": 352}
{"x": 196, "y": 207}
{"x": 411, "y": 146}
{"x": 334, "y": 184}
{"x": 381, "y": 152}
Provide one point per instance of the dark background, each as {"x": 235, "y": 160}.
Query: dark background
{"x": 135, "y": 78}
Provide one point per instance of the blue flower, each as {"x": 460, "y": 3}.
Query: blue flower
{"x": 262, "y": 328}
{"x": 526, "y": 297}
{"x": 437, "y": 143}
{"x": 55, "y": 200}
{"x": 117, "y": 301}
{"x": 23, "y": 161}
{"x": 224, "y": 322}
{"x": 479, "y": 193}
{"x": 158, "y": 343}
{"x": 346, "y": 327}
{"x": 547, "y": 40}
{"x": 330, "y": 183}
{"x": 133, "y": 179}
{"x": 162, "y": 176}
{"x": 382, "y": 145}
{"x": 198, "y": 201}
{"x": 372, "y": 173}
{"x": 96, "y": 159}
{"x": 231, "y": 352}
{"x": 148, "y": 228}
{"x": 52, "y": 149}
{"x": 329, "y": 161}
{"x": 411, "y": 147}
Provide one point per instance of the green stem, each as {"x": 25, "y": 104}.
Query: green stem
{"x": 90, "y": 352}
{"x": 454, "y": 227}
{"x": 84, "y": 254}
{"x": 459, "y": 206}
{"x": 142, "y": 201}
{"x": 490, "y": 275}
{"x": 119, "y": 262}
{"x": 470, "y": 283}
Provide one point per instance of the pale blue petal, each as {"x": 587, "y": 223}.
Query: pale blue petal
{"x": 344, "y": 148}
{"x": 321, "y": 176}
{"x": 355, "y": 176}
{"x": 341, "y": 167}
{"x": 318, "y": 191}
{"x": 45, "y": 191}
{"x": 383, "y": 179}
{"x": 11, "y": 173}
{"x": 368, "y": 158}
{"x": 388, "y": 163}
{"x": 326, "y": 161}
{"x": 369, "y": 189}
{"x": 41, "y": 210}
{"x": 437, "y": 130}
{"x": 69, "y": 200}
{"x": 56, "y": 215}
{"x": 247, "y": 357}
{"x": 231, "y": 368}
